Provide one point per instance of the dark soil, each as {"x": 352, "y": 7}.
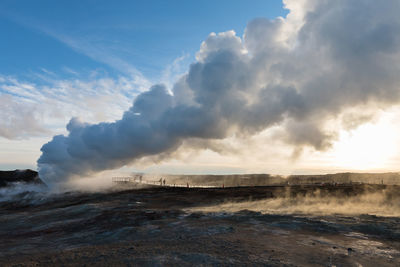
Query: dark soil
{"x": 153, "y": 227}
{"x": 24, "y": 176}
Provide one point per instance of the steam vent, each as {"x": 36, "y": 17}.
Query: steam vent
{"x": 200, "y": 133}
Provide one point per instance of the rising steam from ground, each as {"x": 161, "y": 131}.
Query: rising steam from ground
{"x": 20, "y": 191}
{"x": 296, "y": 72}
{"x": 373, "y": 203}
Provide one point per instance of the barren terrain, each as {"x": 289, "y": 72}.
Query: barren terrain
{"x": 185, "y": 226}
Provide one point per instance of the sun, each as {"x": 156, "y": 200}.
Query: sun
{"x": 372, "y": 146}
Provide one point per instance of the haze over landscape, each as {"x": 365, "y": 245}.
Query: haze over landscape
{"x": 148, "y": 133}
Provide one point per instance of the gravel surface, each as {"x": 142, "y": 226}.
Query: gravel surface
{"x": 164, "y": 226}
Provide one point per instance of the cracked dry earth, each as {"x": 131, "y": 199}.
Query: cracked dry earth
{"x": 167, "y": 227}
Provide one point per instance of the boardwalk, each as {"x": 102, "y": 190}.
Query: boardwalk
{"x": 139, "y": 180}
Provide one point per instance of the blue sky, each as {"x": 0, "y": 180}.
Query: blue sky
{"x": 91, "y": 59}
{"x": 70, "y": 37}
{"x": 60, "y": 59}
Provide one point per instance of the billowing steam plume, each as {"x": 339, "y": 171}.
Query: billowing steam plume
{"x": 296, "y": 72}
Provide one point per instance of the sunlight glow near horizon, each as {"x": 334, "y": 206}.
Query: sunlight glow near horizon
{"x": 371, "y": 146}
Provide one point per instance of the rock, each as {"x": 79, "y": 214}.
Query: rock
{"x": 349, "y": 251}
{"x": 24, "y": 176}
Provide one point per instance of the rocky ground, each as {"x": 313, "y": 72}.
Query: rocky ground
{"x": 173, "y": 226}
{"x": 19, "y": 176}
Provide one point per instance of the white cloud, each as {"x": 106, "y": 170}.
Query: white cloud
{"x": 29, "y": 109}
{"x": 299, "y": 73}
{"x": 19, "y": 119}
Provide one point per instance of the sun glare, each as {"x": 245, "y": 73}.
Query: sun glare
{"x": 369, "y": 147}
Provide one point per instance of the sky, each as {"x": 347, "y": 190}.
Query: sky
{"x": 93, "y": 59}
{"x": 143, "y": 35}
{"x": 77, "y": 43}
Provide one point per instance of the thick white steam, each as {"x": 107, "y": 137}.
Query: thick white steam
{"x": 298, "y": 71}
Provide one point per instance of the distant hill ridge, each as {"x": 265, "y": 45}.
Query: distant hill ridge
{"x": 266, "y": 179}
{"x": 227, "y": 180}
{"x": 391, "y": 178}
{"x": 347, "y": 177}
{"x": 24, "y": 176}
